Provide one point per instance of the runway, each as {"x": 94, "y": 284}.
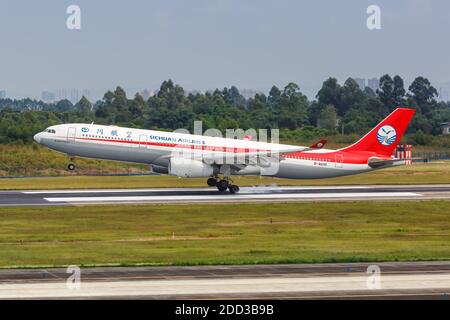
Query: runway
{"x": 398, "y": 280}
{"x": 211, "y": 195}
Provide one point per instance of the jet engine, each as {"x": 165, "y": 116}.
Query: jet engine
{"x": 159, "y": 169}
{"x": 189, "y": 168}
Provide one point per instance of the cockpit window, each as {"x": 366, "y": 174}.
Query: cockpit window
{"x": 50, "y": 130}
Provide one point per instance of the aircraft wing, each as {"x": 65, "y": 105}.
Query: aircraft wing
{"x": 246, "y": 158}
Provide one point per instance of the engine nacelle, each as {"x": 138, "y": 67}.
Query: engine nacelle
{"x": 159, "y": 169}
{"x": 189, "y": 168}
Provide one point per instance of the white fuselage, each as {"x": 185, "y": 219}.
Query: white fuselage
{"x": 157, "y": 148}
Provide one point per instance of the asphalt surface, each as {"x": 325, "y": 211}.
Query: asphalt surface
{"x": 398, "y": 280}
{"x": 199, "y": 195}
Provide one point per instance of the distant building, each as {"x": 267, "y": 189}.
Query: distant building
{"x": 62, "y": 94}
{"x": 373, "y": 84}
{"x": 361, "y": 82}
{"x": 48, "y": 96}
{"x": 2, "y": 94}
{"x": 73, "y": 95}
{"x": 445, "y": 127}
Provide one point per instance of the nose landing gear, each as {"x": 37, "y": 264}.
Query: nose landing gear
{"x": 71, "y": 166}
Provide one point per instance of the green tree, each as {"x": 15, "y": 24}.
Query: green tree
{"x": 234, "y": 97}
{"x": 84, "y": 105}
{"x": 423, "y": 93}
{"x": 64, "y": 105}
{"x": 327, "y": 118}
{"x": 260, "y": 112}
{"x": 293, "y": 107}
{"x": 331, "y": 94}
{"x": 398, "y": 92}
{"x": 386, "y": 91}
{"x": 137, "y": 106}
{"x": 369, "y": 92}
{"x": 352, "y": 96}
{"x": 274, "y": 96}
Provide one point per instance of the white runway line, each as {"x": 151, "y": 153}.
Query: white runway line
{"x": 225, "y": 286}
{"x": 255, "y": 188}
{"x": 109, "y": 190}
{"x": 235, "y": 197}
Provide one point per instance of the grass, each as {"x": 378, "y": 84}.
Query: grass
{"x": 225, "y": 234}
{"x": 430, "y": 173}
{"x": 34, "y": 160}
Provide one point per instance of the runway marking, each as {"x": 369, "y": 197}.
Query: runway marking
{"x": 287, "y": 285}
{"x": 337, "y": 296}
{"x": 235, "y": 197}
{"x": 111, "y": 190}
{"x": 213, "y": 276}
{"x": 256, "y": 188}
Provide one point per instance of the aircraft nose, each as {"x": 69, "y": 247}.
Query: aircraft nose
{"x": 37, "y": 137}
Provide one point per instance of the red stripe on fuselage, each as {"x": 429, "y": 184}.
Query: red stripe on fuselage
{"x": 176, "y": 145}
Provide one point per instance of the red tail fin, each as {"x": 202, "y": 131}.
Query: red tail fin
{"x": 384, "y": 138}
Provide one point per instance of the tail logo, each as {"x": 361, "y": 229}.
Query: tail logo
{"x": 386, "y": 135}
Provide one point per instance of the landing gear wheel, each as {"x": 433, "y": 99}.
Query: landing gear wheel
{"x": 221, "y": 189}
{"x": 222, "y": 185}
{"x": 233, "y": 188}
{"x": 212, "y": 182}
{"x": 71, "y": 166}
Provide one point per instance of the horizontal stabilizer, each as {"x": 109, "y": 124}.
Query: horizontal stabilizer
{"x": 376, "y": 163}
{"x": 319, "y": 145}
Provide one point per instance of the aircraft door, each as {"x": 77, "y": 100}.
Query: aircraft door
{"x": 339, "y": 160}
{"x": 71, "y": 134}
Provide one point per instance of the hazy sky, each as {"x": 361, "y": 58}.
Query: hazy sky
{"x": 203, "y": 44}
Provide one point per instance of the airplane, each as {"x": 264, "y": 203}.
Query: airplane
{"x": 218, "y": 159}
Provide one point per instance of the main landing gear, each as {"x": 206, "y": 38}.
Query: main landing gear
{"x": 222, "y": 184}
